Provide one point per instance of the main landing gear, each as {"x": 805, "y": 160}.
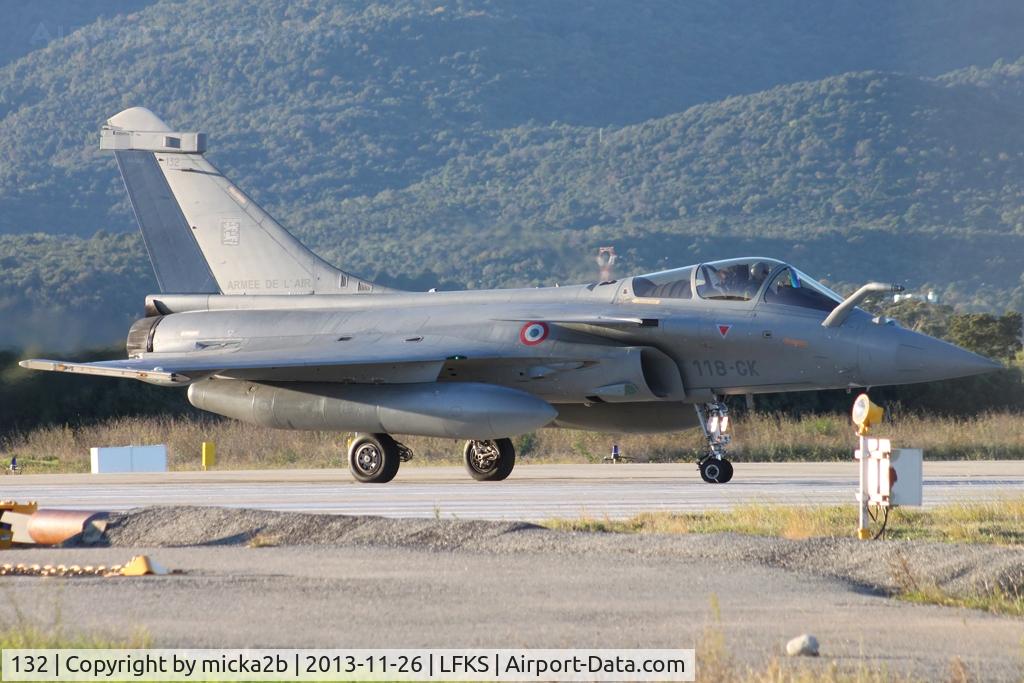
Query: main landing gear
{"x": 374, "y": 458}
{"x": 714, "y": 420}
{"x": 489, "y": 460}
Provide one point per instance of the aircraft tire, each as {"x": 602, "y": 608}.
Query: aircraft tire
{"x": 715, "y": 471}
{"x": 726, "y": 475}
{"x": 374, "y": 458}
{"x": 496, "y": 469}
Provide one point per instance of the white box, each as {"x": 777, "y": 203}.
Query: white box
{"x": 119, "y": 459}
{"x": 111, "y": 459}
{"x": 907, "y": 477}
{"x": 895, "y": 478}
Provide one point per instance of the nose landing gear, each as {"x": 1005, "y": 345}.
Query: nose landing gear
{"x": 715, "y": 471}
{"x": 714, "y": 420}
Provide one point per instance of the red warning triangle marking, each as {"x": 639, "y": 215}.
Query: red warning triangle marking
{"x": 724, "y": 329}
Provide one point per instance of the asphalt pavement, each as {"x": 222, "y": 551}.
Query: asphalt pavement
{"x": 735, "y": 611}
{"x": 532, "y": 493}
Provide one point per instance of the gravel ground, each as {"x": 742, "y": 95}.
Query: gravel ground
{"x": 883, "y": 566}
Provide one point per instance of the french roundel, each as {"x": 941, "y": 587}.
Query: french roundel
{"x": 533, "y": 333}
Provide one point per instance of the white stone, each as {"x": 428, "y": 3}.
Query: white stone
{"x": 804, "y": 645}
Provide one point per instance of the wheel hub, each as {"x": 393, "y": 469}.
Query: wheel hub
{"x": 368, "y": 458}
{"x": 485, "y": 456}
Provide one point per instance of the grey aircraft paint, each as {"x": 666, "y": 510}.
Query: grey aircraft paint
{"x": 265, "y": 331}
{"x": 177, "y": 261}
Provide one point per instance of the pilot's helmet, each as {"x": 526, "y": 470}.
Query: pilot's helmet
{"x": 759, "y": 270}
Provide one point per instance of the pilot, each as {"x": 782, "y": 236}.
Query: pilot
{"x": 720, "y": 283}
{"x": 758, "y": 274}
{"x": 733, "y": 280}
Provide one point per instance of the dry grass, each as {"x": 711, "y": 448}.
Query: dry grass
{"x": 717, "y": 664}
{"x": 780, "y": 438}
{"x": 912, "y": 587}
{"x": 992, "y": 436}
{"x": 20, "y": 631}
{"x": 998, "y": 522}
{"x": 712, "y": 669}
{"x": 758, "y": 438}
{"x": 264, "y": 540}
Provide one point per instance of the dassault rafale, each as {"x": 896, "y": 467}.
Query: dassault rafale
{"x": 262, "y": 330}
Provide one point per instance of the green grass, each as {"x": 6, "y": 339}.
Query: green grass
{"x": 998, "y": 602}
{"x": 13, "y": 637}
{"x": 999, "y": 522}
{"x": 19, "y": 630}
{"x": 23, "y": 635}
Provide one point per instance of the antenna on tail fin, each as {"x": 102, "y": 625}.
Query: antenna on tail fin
{"x": 203, "y": 234}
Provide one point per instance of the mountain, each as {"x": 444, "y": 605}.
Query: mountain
{"x": 866, "y": 157}
{"x": 351, "y": 99}
{"x": 492, "y": 144}
{"x": 34, "y": 24}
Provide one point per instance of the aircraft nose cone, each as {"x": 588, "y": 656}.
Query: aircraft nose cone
{"x": 931, "y": 359}
{"x": 892, "y": 355}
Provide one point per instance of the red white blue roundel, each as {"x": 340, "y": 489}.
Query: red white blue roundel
{"x": 533, "y": 333}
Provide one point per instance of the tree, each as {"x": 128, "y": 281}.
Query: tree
{"x": 991, "y": 336}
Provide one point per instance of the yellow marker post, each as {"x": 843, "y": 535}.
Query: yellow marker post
{"x": 209, "y": 455}
{"x": 865, "y": 415}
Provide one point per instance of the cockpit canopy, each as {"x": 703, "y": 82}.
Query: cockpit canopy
{"x": 740, "y": 279}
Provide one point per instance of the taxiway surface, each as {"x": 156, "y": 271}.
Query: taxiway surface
{"x": 380, "y": 597}
{"x": 533, "y": 492}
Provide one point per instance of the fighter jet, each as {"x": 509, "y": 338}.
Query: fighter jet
{"x": 262, "y": 330}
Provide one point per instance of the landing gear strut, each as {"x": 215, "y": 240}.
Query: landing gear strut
{"x": 714, "y": 420}
{"x": 489, "y": 460}
{"x": 374, "y": 458}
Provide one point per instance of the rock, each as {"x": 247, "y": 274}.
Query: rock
{"x": 804, "y": 645}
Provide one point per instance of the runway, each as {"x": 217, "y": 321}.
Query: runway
{"x": 532, "y": 493}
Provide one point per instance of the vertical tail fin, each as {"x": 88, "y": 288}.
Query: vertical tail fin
{"x": 203, "y": 234}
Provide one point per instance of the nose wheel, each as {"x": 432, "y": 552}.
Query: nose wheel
{"x": 715, "y": 471}
{"x": 714, "y": 420}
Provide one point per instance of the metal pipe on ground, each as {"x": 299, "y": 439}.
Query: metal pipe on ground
{"x": 52, "y": 527}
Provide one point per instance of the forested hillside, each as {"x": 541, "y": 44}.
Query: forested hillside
{"x": 34, "y": 24}
{"x": 60, "y": 292}
{"x": 492, "y": 144}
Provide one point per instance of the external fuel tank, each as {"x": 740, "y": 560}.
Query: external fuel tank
{"x": 458, "y": 410}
